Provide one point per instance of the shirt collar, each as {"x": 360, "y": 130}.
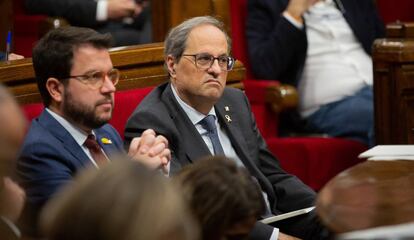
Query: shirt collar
{"x": 78, "y": 134}
{"x": 194, "y": 115}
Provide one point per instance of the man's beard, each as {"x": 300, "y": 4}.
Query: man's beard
{"x": 80, "y": 113}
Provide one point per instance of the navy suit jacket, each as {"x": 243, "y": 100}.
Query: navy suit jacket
{"x": 50, "y": 157}
{"x": 277, "y": 49}
{"x": 161, "y": 112}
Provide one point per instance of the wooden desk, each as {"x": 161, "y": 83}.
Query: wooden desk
{"x": 370, "y": 194}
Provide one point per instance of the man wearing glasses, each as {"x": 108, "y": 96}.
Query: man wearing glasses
{"x": 200, "y": 116}
{"x": 77, "y": 81}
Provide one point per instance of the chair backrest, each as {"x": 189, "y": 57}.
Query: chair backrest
{"x": 125, "y": 103}
{"x": 391, "y": 10}
{"x": 27, "y": 29}
{"x": 238, "y": 12}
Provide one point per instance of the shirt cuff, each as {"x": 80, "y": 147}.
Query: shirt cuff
{"x": 102, "y": 10}
{"x": 292, "y": 20}
{"x": 275, "y": 234}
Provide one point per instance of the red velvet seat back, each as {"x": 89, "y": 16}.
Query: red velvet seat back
{"x": 125, "y": 103}
{"x": 26, "y": 29}
{"x": 238, "y": 24}
{"x": 393, "y": 10}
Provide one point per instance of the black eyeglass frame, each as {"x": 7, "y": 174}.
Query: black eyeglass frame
{"x": 229, "y": 66}
{"x": 86, "y": 78}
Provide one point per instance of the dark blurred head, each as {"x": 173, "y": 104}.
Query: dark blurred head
{"x": 53, "y": 54}
{"x": 223, "y": 197}
{"x": 122, "y": 201}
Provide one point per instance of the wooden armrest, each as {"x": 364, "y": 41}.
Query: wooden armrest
{"x": 278, "y": 96}
{"x": 281, "y": 97}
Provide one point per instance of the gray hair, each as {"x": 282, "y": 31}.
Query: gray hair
{"x": 176, "y": 40}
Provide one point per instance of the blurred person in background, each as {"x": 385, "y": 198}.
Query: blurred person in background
{"x": 128, "y": 21}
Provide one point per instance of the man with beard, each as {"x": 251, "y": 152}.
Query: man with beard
{"x": 77, "y": 81}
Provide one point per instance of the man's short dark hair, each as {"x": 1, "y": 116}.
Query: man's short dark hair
{"x": 53, "y": 54}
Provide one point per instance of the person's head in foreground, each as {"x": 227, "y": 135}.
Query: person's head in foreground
{"x": 224, "y": 197}
{"x": 122, "y": 201}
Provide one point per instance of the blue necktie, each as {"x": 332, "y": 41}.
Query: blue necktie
{"x": 209, "y": 124}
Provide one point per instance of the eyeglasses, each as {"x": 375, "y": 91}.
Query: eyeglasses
{"x": 205, "y": 61}
{"x": 96, "y": 79}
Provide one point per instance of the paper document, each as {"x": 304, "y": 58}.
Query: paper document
{"x": 389, "y": 152}
{"x": 286, "y": 215}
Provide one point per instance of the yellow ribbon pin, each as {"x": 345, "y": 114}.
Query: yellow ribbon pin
{"x": 106, "y": 141}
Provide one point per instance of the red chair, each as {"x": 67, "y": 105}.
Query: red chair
{"x": 392, "y": 11}
{"x": 315, "y": 160}
{"x": 30, "y": 28}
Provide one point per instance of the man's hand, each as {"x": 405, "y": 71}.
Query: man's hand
{"x": 118, "y": 9}
{"x": 297, "y": 8}
{"x": 283, "y": 236}
{"x": 12, "y": 198}
{"x": 151, "y": 150}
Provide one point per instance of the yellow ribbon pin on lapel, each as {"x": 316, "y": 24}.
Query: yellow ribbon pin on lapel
{"x": 106, "y": 141}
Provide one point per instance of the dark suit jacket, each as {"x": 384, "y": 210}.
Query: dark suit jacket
{"x": 78, "y": 12}
{"x": 277, "y": 49}
{"x": 50, "y": 157}
{"x": 161, "y": 112}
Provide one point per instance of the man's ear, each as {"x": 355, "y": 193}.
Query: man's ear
{"x": 55, "y": 89}
{"x": 170, "y": 61}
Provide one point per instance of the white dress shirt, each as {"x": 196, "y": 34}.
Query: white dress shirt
{"x": 336, "y": 65}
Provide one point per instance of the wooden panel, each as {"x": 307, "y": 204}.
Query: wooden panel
{"x": 394, "y": 85}
{"x": 167, "y": 14}
{"x": 140, "y": 66}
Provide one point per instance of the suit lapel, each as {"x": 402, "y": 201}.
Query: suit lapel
{"x": 194, "y": 146}
{"x": 106, "y": 143}
{"x": 67, "y": 141}
{"x": 233, "y": 128}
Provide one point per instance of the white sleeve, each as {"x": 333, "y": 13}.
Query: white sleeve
{"x": 102, "y": 10}
{"x": 275, "y": 234}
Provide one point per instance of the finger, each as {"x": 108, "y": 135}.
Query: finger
{"x": 156, "y": 149}
{"x": 133, "y": 146}
{"x": 161, "y": 139}
{"x": 147, "y": 141}
{"x": 167, "y": 154}
{"x": 149, "y": 131}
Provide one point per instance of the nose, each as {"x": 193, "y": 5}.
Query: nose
{"x": 215, "y": 68}
{"x": 108, "y": 86}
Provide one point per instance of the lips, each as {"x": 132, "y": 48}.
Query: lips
{"x": 105, "y": 103}
{"x": 213, "y": 81}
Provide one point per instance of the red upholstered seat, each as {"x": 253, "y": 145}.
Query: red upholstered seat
{"x": 27, "y": 29}
{"x": 125, "y": 103}
{"x": 315, "y": 160}
{"x": 391, "y": 10}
